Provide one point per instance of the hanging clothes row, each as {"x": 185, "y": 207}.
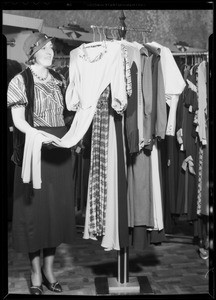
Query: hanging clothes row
{"x": 186, "y": 156}
{"x": 142, "y": 213}
{"x": 142, "y": 122}
{"x": 161, "y": 83}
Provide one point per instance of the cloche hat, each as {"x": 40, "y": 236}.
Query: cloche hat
{"x": 34, "y": 42}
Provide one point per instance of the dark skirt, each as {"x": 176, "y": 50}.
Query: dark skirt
{"x": 44, "y": 218}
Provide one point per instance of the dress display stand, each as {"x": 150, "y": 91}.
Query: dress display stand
{"x": 123, "y": 284}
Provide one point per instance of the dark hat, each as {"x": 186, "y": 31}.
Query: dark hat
{"x": 34, "y": 42}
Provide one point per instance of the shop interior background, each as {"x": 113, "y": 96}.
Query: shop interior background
{"x": 179, "y": 30}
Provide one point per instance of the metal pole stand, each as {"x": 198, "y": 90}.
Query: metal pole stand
{"x": 123, "y": 284}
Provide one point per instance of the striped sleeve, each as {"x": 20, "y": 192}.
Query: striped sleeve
{"x": 16, "y": 95}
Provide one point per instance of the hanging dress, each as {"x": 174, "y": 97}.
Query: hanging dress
{"x": 102, "y": 218}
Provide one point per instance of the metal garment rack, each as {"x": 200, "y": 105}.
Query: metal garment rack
{"x": 123, "y": 284}
{"x": 190, "y": 53}
{"x": 192, "y": 56}
{"x": 121, "y": 29}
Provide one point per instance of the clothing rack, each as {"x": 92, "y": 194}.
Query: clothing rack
{"x": 193, "y": 55}
{"x": 61, "y": 61}
{"x": 123, "y": 283}
{"x": 190, "y": 53}
{"x": 121, "y": 29}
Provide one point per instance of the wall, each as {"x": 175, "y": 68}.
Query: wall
{"x": 168, "y": 26}
{"x": 19, "y": 35}
{"x": 16, "y": 52}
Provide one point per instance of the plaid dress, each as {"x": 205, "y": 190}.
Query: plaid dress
{"x": 98, "y": 166}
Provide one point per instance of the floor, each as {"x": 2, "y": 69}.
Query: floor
{"x": 173, "y": 267}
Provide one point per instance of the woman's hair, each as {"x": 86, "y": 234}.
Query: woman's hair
{"x": 31, "y": 61}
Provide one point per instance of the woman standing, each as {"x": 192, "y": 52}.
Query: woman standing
{"x": 42, "y": 218}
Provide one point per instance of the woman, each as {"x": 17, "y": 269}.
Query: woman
{"x": 42, "y": 218}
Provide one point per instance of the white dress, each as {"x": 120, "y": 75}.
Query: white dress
{"x": 113, "y": 68}
{"x": 91, "y": 70}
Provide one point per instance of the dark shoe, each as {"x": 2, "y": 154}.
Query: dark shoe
{"x": 35, "y": 290}
{"x": 54, "y": 287}
{"x": 204, "y": 254}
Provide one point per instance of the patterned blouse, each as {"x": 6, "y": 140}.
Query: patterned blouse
{"x": 48, "y": 103}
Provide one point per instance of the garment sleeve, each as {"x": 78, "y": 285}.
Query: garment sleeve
{"x": 118, "y": 86}
{"x": 173, "y": 80}
{"x": 161, "y": 121}
{"x": 127, "y": 70}
{"x": 71, "y": 96}
{"x": 147, "y": 84}
{"x": 16, "y": 95}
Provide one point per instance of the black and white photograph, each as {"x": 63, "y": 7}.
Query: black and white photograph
{"x": 108, "y": 181}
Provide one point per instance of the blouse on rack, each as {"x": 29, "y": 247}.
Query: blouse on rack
{"x": 154, "y": 101}
{"x": 173, "y": 80}
{"x": 174, "y": 83}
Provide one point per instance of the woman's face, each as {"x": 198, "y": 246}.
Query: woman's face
{"x": 44, "y": 56}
